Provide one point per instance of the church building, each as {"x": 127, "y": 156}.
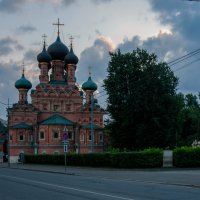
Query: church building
{"x": 60, "y": 111}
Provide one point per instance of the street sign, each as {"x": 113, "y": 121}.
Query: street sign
{"x": 65, "y": 134}
{"x": 65, "y": 148}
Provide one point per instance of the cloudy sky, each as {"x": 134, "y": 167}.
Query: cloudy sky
{"x": 169, "y": 28}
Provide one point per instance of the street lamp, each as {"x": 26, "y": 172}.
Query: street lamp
{"x": 93, "y": 102}
{"x": 8, "y": 139}
{"x": 65, "y": 142}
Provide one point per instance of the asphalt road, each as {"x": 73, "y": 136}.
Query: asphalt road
{"x": 16, "y": 184}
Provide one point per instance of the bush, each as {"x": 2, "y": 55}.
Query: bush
{"x": 187, "y": 157}
{"x": 141, "y": 159}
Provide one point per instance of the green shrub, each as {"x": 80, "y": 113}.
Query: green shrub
{"x": 142, "y": 159}
{"x": 186, "y": 157}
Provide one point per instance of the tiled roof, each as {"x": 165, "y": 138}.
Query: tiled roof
{"x": 56, "y": 120}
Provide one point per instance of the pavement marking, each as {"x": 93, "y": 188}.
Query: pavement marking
{"x": 66, "y": 187}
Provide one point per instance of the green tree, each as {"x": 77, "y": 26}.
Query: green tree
{"x": 189, "y": 121}
{"x": 141, "y": 100}
{"x": 3, "y": 129}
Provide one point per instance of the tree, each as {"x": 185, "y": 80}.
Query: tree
{"x": 3, "y": 129}
{"x": 189, "y": 121}
{"x": 141, "y": 100}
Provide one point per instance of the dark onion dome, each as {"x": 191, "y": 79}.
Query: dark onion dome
{"x": 44, "y": 56}
{"x": 58, "y": 50}
{"x": 89, "y": 85}
{"x": 71, "y": 58}
{"x": 23, "y": 83}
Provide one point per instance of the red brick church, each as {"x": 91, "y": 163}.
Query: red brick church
{"x": 58, "y": 104}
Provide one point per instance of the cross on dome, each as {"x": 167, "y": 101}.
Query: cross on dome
{"x": 71, "y": 41}
{"x": 23, "y": 68}
{"x": 44, "y": 36}
{"x": 89, "y": 70}
{"x": 58, "y": 24}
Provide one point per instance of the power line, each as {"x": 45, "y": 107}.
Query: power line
{"x": 184, "y": 66}
{"x": 182, "y": 58}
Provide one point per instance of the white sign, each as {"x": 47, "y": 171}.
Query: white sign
{"x": 65, "y": 148}
{"x": 167, "y": 158}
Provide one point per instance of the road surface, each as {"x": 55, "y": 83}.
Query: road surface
{"x": 17, "y": 184}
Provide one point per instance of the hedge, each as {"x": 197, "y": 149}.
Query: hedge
{"x": 143, "y": 159}
{"x": 186, "y": 157}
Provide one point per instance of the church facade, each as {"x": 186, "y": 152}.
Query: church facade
{"x": 58, "y": 109}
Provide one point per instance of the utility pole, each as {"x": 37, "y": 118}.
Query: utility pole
{"x": 8, "y": 142}
{"x": 91, "y": 124}
{"x": 65, "y": 142}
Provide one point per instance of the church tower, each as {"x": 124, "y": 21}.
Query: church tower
{"x": 57, "y": 104}
{"x": 23, "y": 85}
{"x": 71, "y": 61}
{"x": 44, "y": 63}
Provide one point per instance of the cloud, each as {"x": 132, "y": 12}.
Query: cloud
{"x": 9, "y": 73}
{"x": 25, "y": 29}
{"x": 10, "y": 5}
{"x": 182, "y": 16}
{"x": 30, "y": 56}
{"x": 8, "y": 45}
{"x": 129, "y": 45}
{"x": 96, "y": 56}
{"x": 68, "y": 2}
{"x": 101, "y": 1}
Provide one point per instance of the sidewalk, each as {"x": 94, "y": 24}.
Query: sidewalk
{"x": 183, "y": 177}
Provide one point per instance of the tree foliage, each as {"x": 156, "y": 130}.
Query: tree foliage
{"x": 142, "y": 100}
{"x": 188, "y": 121}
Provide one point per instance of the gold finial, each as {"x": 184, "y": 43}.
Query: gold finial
{"x": 58, "y": 24}
{"x": 71, "y": 41}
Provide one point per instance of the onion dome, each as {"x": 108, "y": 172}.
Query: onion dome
{"x": 89, "y": 85}
{"x": 58, "y": 50}
{"x": 23, "y": 83}
{"x": 44, "y": 56}
{"x": 71, "y": 58}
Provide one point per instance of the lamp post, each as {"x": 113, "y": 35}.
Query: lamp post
{"x": 93, "y": 102}
{"x": 91, "y": 123}
{"x": 8, "y": 139}
{"x": 65, "y": 142}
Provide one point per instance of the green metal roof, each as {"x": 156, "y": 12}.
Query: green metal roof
{"x": 89, "y": 85}
{"x": 21, "y": 126}
{"x": 88, "y": 126}
{"x": 56, "y": 120}
{"x": 23, "y": 83}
